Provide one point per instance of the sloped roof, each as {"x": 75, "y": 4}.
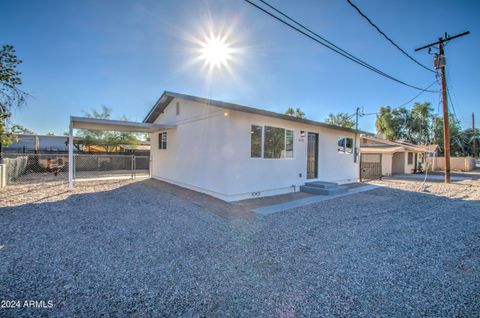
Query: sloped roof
{"x": 136, "y": 147}
{"x": 167, "y": 98}
{"x": 394, "y": 146}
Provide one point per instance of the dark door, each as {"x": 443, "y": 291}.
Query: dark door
{"x": 312, "y": 156}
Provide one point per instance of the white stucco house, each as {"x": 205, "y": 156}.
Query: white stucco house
{"x": 235, "y": 152}
{"x": 397, "y": 157}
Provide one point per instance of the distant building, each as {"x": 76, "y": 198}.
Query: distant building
{"x": 38, "y": 143}
{"x": 397, "y": 157}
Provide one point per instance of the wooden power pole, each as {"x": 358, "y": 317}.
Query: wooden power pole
{"x": 440, "y": 64}
{"x": 474, "y": 137}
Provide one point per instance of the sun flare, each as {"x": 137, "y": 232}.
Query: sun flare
{"x": 215, "y": 52}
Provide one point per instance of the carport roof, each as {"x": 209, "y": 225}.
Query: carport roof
{"x": 115, "y": 125}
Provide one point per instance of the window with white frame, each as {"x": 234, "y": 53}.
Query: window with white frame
{"x": 345, "y": 145}
{"x": 277, "y": 142}
{"x": 162, "y": 140}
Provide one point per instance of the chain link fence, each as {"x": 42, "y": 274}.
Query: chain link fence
{"x": 34, "y": 168}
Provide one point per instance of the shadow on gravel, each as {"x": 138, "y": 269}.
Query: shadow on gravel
{"x": 154, "y": 249}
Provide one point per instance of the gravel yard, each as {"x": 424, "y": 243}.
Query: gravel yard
{"x": 464, "y": 189}
{"x": 146, "y": 248}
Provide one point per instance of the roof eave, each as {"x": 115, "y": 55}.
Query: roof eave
{"x": 168, "y": 96}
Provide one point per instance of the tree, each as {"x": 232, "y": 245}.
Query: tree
{"x": 108, "y": 140}
{"x": 297, "y": 112}
{"x": 467, "y": 137}
{"x": 415, "y": 125}
{"x": 387, "y": 124}
{"x": 457, "y": 142}
{"x": 420, "y": 124}
{"x": 340, "y": 119}
{"x": 11, "y": 96}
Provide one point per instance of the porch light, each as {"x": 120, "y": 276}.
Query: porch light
{"x": 225, "y": 114}
{"x": 302, "y": 133}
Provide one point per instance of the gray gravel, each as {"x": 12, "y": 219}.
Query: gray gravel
{"x": 138, "y": 251}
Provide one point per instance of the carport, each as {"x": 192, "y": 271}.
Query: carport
{"x": 105, "y": 125}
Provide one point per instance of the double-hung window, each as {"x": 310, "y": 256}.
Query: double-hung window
{"x": 271, "y": 142}
{"x": 162, "y": 140}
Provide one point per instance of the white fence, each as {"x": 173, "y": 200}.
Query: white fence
{"x": 54, "y": 167}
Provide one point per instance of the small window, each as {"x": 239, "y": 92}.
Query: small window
{"x": 162, "y": 140}
{"x": 177, "y": 108}
{"x": 410, "y": 158}
{"x": 256, "y": 141}
{"x": 345, "y": 145}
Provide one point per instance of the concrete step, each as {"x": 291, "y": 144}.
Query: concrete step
{"x": 323, "y": 191}
{"x": 321, "y": 184}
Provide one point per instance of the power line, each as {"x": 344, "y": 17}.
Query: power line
{"x": 328, "y": 44}
{"x": 425, "y": 90}
{"x": 451, "y": 103}
{"x": 388, "y": 38}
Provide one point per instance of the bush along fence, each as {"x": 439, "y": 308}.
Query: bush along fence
{"x": 52, "y": 167}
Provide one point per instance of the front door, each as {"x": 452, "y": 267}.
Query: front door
{"x": 312, "y": 156}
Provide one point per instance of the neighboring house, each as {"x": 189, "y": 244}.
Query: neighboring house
{"x": 38, "y": 143}
{"x": 139, "y": 150}
{"x": 236, "y": 152}
{"x": 396, "y": 157}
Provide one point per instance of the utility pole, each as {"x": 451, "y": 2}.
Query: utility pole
{"x": 440, "y": 64}
{"x": 474, "y": 146}
{"x": 355, "y": 151}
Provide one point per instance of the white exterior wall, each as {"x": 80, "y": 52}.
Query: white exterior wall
{"x": 193, "y": 158}
{"x": 409, "y": 167}
{"x": 387, "y": 164}
{"x": 274, "y": 176}
{"x": 210, "y": 152}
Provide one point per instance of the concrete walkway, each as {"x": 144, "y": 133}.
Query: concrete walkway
{"x": 266, "y": 210}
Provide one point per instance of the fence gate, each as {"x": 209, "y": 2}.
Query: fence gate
{"x": 92, "y": 166}
{"x": 370, "y": 166}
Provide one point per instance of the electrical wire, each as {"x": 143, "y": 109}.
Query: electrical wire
{"x": 320, "y": 40}
{"x": 388, "y": 38}
{"x": 423, "y": 91}
{"x": 451, "y": 104}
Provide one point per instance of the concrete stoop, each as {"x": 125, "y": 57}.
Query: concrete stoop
{"x": 323, "y": 188}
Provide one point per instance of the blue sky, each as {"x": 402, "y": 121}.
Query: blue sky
{"x": 79, "y": 55}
